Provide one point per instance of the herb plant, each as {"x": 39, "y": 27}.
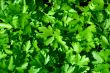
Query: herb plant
{"x": 54, "y": 36}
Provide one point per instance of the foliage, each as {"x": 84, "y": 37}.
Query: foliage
{"x": 54, "y": 36}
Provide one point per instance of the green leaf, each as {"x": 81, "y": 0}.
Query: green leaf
{"x": 2, "y": 55}
{"x": 63, "y": 44}
{"x": 11, "y": 66}
{"x": 49, "y": 41}
{"x": 96, "y": 5}
{"x": 104, "y": 42}
{"x": 102, "y": 68}
{"x": 24, "y": 66}
{"x": 97, "y": 57}
{"x": 70, "y": 57}
{"x": 104, "y": 39}
{"x": 100, "y": 17}
{"x": 107, "y": 24}
{"x": 27, "y": 46}
{"x": 105, "y": 55}
{"x": 67, "y": 69}
{"x": 77, "y": 59}
{"x": 45, "y": 32}
{"x": 4, "y": 25}
{"x": 47, "y": 58}
{"x": 65, "y": 7}
{"x": 34, "y": 70}
{"x": 35, "y": 45}
{"x": 47, "y": 18}
{"x": 108, "y": 9}
{"x": 8, "y": 51}
{"x": 84, "y": 61}
{"x": 25, "y": 7}
{"x": 15, "y": 21}
{"x": 77, "y": 47}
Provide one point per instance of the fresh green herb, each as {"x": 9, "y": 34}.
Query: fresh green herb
{"x": 54, "y": 36}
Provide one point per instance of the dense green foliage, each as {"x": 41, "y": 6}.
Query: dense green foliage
{"x": 54, "y": 36}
